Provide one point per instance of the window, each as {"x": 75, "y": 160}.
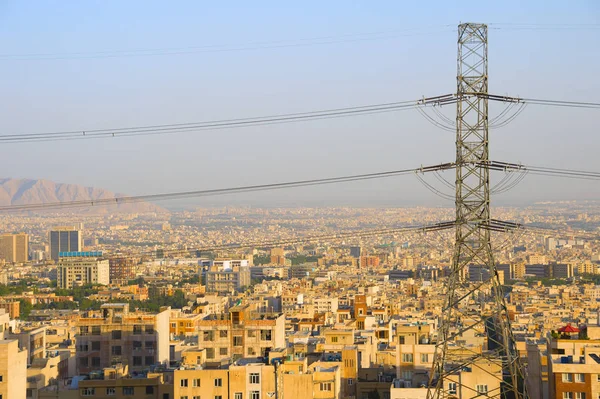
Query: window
{"x": 482, "y": 388}
{"x": 149, "y": 390}
{"x": 96, "y": 330}
{"x": 196, "y": 382}
{"x": 137, "y": 329}
{"x": 237, "y": 341}
{"x": 334, "y": 340}
{"x": 218, "y": 382}
{"x": 88, "y": 391}
{"x": 251, "y": 351}
{"x": 116, "y": 350}
{"x": 325, "y": 386}
{"x": 223, "y": 351}
{"x": 567, "y": 395}
{"x": 183, "y": 382}
{"x": 237, "y": 395}
{"x": 402, "y": 339}
{"x": 196, "y": 397}
{"x": 183, "y": 397}
{"x": 83, "y": 330}
{"x": 223, "y": 334}
{"x": 83, "y": 362}
{"x": 254, "y": 378}
{"x": 218, "y": 397}
{"x": 29, "y": 392}
{"x": 137, "y": 361}
{"x": 452, "y": 388}
{"x": 137, "y": 345}
{"x": 579, "y": 395}
{"x": 210, "y": 353}
{"x": 265, "y": 335}
{"x": 116, "y": 334}
{"x": 254, "y": 394}
{"x": 579, "y": 377}
{"x": 149, "y": 344}
{"x": 424, "y": 358}
{"x": 128, "y": 391}
{"x": 95, "y": 362}
{"x": 407, "y": 357}
{"x": 567, "y": 377}
{"x": 111, "y": 391}
{"x": 149, "y": 329}
{"x": 251, "y": 334}
{"x": 350, "y": 381}
{"x": 149, "y": 360}
{"x": 406, "y": 375}
{"x": 95, "y": 345}
{"x": 208, "y": 335}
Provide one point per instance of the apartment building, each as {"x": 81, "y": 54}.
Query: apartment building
{"x": 32, "y": 340}
{"x": 227, "y": 276}
{"x": 121, "y": 269}
{"x": 243, "y": 332}
{"x": 115, "y": 335}
{"x": 246, "y": 379}
{"x": 13, "y": 370}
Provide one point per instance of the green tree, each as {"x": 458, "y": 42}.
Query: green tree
{"x": 24, "y": 309}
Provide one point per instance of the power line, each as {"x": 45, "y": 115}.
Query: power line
{"x": 502, "y": 186}
{"x": 547, "y": 102}
{"x": 219, "y": 48}
{"x": 210, "y": 125}
{"x": 223, "y": 123}
{"x": 221, "y": 191}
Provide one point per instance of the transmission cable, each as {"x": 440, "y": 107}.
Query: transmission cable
{"x": 211, "y": 125}
{"x": 213, "y": 192}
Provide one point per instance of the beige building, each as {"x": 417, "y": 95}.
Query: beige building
{"x": 14, "y": 248}
{"x": 244, "y": 380}
{"x": 226, "y": 276}
{"x": 242, "y": 332}
{"x": 33, "y": 341}
{"x": 82, "y": 270}
{"x": 114, "y": 335}
{"x": 13, "y": 370}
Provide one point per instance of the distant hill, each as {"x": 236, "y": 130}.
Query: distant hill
{"x": 29, "y": 192}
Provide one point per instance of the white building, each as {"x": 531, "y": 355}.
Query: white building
{"x": 80, "y": 268}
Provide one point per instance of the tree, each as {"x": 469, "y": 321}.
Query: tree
{"x": 24, "y": 309}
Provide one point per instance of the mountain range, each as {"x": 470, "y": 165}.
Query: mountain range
{"x": 40, "y": 191}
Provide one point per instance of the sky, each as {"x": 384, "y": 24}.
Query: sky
{"x": 80, "y": 88}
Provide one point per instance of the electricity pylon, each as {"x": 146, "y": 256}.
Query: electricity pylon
{"x": 474, "y": 332}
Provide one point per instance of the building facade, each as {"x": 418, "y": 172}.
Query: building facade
{"x": 64, "y": 239}
{"x": 14, "y": 248}
{"x": 81, "y": 268}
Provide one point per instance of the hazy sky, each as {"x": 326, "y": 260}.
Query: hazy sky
{"x": 82, "y": 93}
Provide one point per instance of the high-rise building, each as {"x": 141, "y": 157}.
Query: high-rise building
{"x": 80, "y": 268}
{"x": 14, "y": 247}
{"x": 355, "y": 252}
{"x": 65, "y": 239}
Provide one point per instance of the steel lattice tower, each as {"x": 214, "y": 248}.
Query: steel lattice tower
{"x": 474, "y": 330}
